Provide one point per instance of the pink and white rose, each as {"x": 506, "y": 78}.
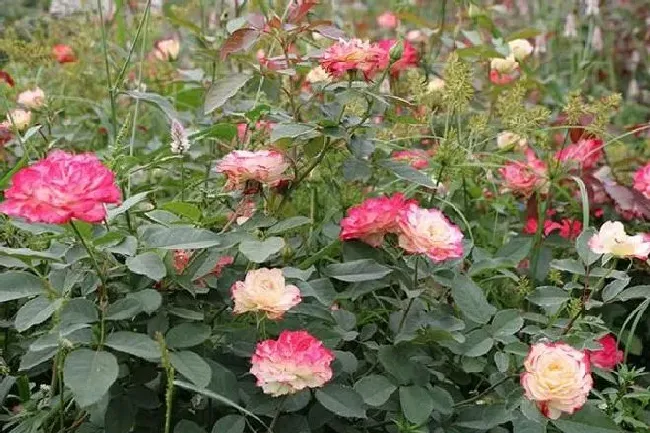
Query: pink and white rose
{"x": 265, "y": 290}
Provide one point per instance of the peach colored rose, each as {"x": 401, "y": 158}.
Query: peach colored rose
{"x": 557, "y": 378}
{"x": 503, "y": 71}
{"x": 263, "y": 166}
{"x": 524, "y": 178}
{"x": 612, "y": 239}
{"x": 32, "y": 99}
{"x": 19, "y": 119}
{"x": 293, "y": 362}
{"x": 520, "y": 49}
{"x": 354, "y": 55}
{"x": 584, "y": 154}
{"x": 427, "y": 231}
{"x": 265, "y": 290}
{"x": 167, "y": 50}
{"x": 508, "y": 140}
{"x": 388, "y": 20}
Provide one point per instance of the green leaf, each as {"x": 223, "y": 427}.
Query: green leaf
{"x": 477, "y": 343}
{"x": 470, "y": 299}
{"x": 408, "y": 173}
{"x": 527, "y": 33}
{"x": 260, "y": 251}
{"x": 123, "y": 309}
{"x": 215, "y": 396}
{"x": 226, "y": 131}
{"x": 127, "y": 205}
{"x": 587, "y": 256}
{"x": 89, "y": 375}
{"x": 521, "y": 424}
{"x": 186, "y": 426}
{"x": 158, "y": 100}
{"x": 180, "y": 238}
{"x": 29, "y": 254}
{"x": 35, "y": 311}
{"x": 119, "y": 416}
{"x": 150, "y": 300}
{"x": 184, "y": 209}
{"x": 635, "y": 292}
{"x": 516, "y": 250}
{"x": 611, "y": 290}
{"x": 18, "y": 285}
{"x": 341, "y": 400}
{"x": 322, "y": 289}
{"x": 36, "y": 357}
{"x": 502, "y": 361}
{"x": 375, "y": 389}
{"x": 78, "y": 310}
{"x": 148, "y": 264}
{"x": 506, "y": 322}
{"x": 222, "y": 90}
{"x": 22, "y": 163}
{"x": 549, "y": 297}
{"x": 443, "y": 402}
{"x": 396, "y": 362}
{"x": 589, "y": 419}
{"x": 357, "y": 270}
{"x": 483, "y": 418}
{"x": 568, "y": 265}
{"x": 291, "y": 130}
{"x": 288, "y": 224}
{"x": 416, "y": 403}
{"x": 192, "y": 366}
{"x": 187, "y": 335}
{"x": 230, "y": 424}
{"x": 135, "y": 344}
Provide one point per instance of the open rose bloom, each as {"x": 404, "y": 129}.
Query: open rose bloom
{"x": 61, "y": 188}
{"x": 503, "y": 71}
{"x": 32, "y": 99}
{"x": 265, "y": 290}
{"x": 608, "y": 357}
{"x": 167, "y": 50}
{"x": 557, "y": 378}
{"x": 267, "y": 167}
{"x": 293, "y": 362}
{"x": 584, "y": 154}
{"x": 524, "y": 178}
{"x": 354, "y": 55}
{"x": 409, "y": 58}
{"x": 612, "y": 239}
{"x": 63, "y": 53}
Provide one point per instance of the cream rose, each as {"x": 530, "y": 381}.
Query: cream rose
{"x": 33, "y": 99}
{"x": 504, "y": 66}
{"x": 265, "y": 290}
{"x": 20, "y": 119}
{"x": 508, "y": 140}
{"x": 318, "y": 75}
{"x": 520, "y": 48}
{"x": 557, "y": 378}
{"x": 612, "y": 239}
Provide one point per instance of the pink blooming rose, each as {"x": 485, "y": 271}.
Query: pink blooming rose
{"x": 60, "y": 188}
{"x": 180, "y": 260}
{"x": 408, "y": 60}
{"x": 557, "y": 378}
{"x": 612, "y": 239}
{"x": 293, "y": 362}
{"x": 608, "y": 356}
{"x": 373, "y": 219}
{"x": 584, "y": 154}
{"x": 354, "y": 55}
{"x": 388, "y": 20}
{"x": 642, "y": 180}
{"x": 428, "y": 231}
{"x": 416, "y": 158}
{"x": 263, "y": 166}
{"x": 265, "y": 290}
{"x": 525, "y": 177}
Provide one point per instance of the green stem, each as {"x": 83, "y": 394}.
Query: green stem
{"x": 182, "y": 178}
{"x": 111, "y": 92}
{"x": 277, "y": 414}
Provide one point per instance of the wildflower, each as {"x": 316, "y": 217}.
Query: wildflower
{"x": 354, "y": 55}
{"x": 570, "y": 30}
{"x": 293, "y": 362}
{"x": 557, "y": 378}
{"x": 167, "y": 50}
{"x": 264, "y": 290}
{"x": 32, "y": 99}
{"x": 63, "y": 54}
{"x": 180, "y": 140}
{"x": 612, "y": 239}
{"x": 60, "y": 188}
{"x": 373, "y": 219}
{"x": 608, "y": 356}
{"x": 427, "y": 231}
{"x": 262, "y": 166}
{"x": 388, "y": 20}
{"x": 180, "y": 260}
{"x": 520, "y": 49}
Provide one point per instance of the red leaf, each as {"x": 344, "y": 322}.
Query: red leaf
{"x": 298, "y": 12}
{"x": 256, "y": 21}
{"x": 329, "y": 31}
{"x": 629, "y": 202}
{"x": 4, "y": 76}
{"x": 239, "y": 40}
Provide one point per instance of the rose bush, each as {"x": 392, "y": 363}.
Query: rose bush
{"x": 303, "y": 216}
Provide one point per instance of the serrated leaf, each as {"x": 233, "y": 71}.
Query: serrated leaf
{"x": 111, "y": 214}
{"x": 224, "y": 89}
{"x": 288, "y": 224}
{"x": 375, "y": 389}
{"x": 341, "y": 400}
{"x": 89, "y": 374}
{"x": 192, "y": 366}
{"x": 180, "y": 238}
{"x": 357, "y": 270}
{"x": 471, "y": 300}
{"x": 187, "y": 335}
{"x": 18, "y": 285}
{"x": 135, "y": 344}
{"x": 148, "y": 264}
{"x": 291, "y": 130}
{"x": 416, "y": 403}
{"x": 260, "y": 251}
{"x": 589, "y": 419}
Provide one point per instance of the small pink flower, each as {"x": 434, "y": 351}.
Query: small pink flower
{"x": 608, "y": 356}
{"x": 417, "y": 158}
{"x": 525, "y": 178}
{"x": 429, "y": 232}
{"x": 503, "y": 71}
{"x": 167, "y": 50}
{"x": 569, "y": 229}
{"x": 60, "y": 188}
{"x": 388, "y": 20}
{"x": 63, "y": 54}
{"x": 242, "y": 131}
{"x": 221, "y": 264}
{"x": 373, "y": 219}
{"x": 642, "y": 180}
{"x": 293, "y": 362}
{"x": 32, "y": 99}
{"x": 265, "y": 290}
{"x": 557, "y": 378}
{"x": 584, "y": 154}
{"x": 264, "y": 166}
{"x": 409, "y": 57}
{"x": 354, "y": 55}
{"x": 180, "y": 260}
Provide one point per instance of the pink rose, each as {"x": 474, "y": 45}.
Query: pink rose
{"x": 263, "y": 166}
{"x": 265, "y": 290}
{"x": 180, "y": 260}
{"x": 608, "y": 356}
{"x": 373, "y": 219}
{"x": 408, "y": 60}
{"x": 354, "y": 55}
{"x": 60, "y": 188}
{"x": 416, "y": 158}
{"x": 427, "y": 231}
{"x": 557, "y": 378}
{"x": 221, "y": 264}
{"x": 167, "y": 50}
{"x": 388, "y": 20}
{"x": 63, "y": 53}
{"x": 584, "y": 154}
{"x": 525, "y": 177}
{"x": 612, "y": 239}
{"x": 642, "y": 180}
{"x": 32, "y": 99}
{"x": 293, "y": 362}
